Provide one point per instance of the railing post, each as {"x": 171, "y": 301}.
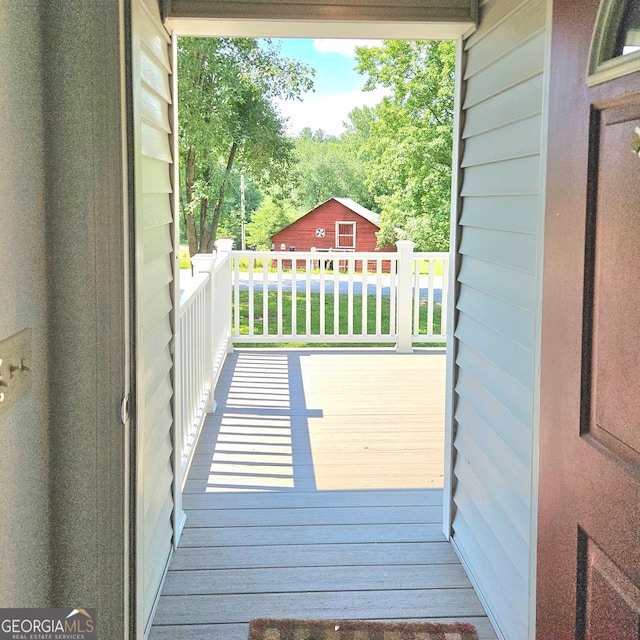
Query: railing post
{"x": 225, "y": 246}
{"x": 405, "y": 298}
{"x": 203, "y": 263}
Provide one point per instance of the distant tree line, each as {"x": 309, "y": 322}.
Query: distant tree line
{"x": 394, "y": 158}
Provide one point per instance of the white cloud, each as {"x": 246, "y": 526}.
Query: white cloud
{"x": 343, "y": 47}
{"x": 327, "y": 112}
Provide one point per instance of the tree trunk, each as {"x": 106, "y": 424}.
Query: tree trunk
{"x": 218, "y": 209}
{"x": 204, "y": 230}
{"x": 189, "y": 179}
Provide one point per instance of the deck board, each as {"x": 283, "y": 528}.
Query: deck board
{"x": 316, "y": 492}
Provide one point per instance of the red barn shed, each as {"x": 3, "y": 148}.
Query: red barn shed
{"x": 338, "y": 223}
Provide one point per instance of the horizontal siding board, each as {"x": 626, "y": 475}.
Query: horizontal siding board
{"x": 483, "y": 561}
{"x": 520, "y": 176}
{"x": 491, "y": 14}
{"x": 499, "y": 436}
{"x": 507, "y": 390}
{"x": 517, "y": 67}
{"x": 155, "y": 143}
{"x": 156, "y": 176}
{"x": 158, "y": 415}
{"x": 155, "y": 275}
{"x": 157, "y": 546}
{"x": 513, "y": 359}
{"x": 521, "y": 101}
{"x": 157, "y": 369}
{"x": 507, "y": 213}
{"x": 511, "y": 321}
{"x": 512, "y": 285}
{"x": 158, "y": 307}
{"x": 156, "y": 210}
{"x": 513, "y": 250}
{"x": 509, "y": 34}
{"x": 156, "y": 39}
{"x": 477, "y": 488}
{"x": 153, "y": 109}
{"x": 158, "y": 337}
{"x": 155, "y": 243}
{"x": 158, "y": 472}
{"x": 515, "y": 140}
{"x": 155, "y": 77}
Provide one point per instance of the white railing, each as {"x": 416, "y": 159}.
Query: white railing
{"x": 203, "y": 338}
{"x": 392, "y": 300}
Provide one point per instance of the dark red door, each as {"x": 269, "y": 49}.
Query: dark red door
{"x": 589, "y": 492}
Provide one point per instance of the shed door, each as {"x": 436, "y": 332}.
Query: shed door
{"x": 589, "y": 515}
{"x": 154, "y": 266}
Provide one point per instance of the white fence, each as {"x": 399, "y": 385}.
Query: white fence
{"x": 203, "y": 338}
{"x": 329, "y": 297}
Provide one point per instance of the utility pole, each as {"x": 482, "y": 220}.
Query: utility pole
{"x": 242, "y": 211}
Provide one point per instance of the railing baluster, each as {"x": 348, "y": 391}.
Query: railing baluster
{"x": 265, "y": 297}
{"x": 307, "y": 302}
{"x": 322, "y": 297}
{"x": 393, "y": 307}
{"x": 417, "y": 264}
{"x": 336, "y": 297}
{"x": 350, "y": 268}
{"x": 445, "y": 297}
{"x": 378, "y": 297}
{"x": 431, "y": 304}
{"x": 365, "y": 298}
{"x": 279, "y": 302}
{"x": 252, "y": 312}
{"x": 236, "y": 273}
{"x": 294, "y": 299}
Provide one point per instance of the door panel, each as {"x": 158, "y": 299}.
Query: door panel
{"x": 589, "y": 491}
{"x": 613, "y": 231}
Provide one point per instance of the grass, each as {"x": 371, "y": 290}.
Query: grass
{"x": 343, "y": 300}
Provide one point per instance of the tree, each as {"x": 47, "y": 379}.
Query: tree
{"x": 271, "y": 216}
{"x": 326, "y": 167}
{"x": 407, "y": 139}
{"x": 225, "y": 91}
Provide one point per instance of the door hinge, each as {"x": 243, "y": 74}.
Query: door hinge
{"x": 124, "y": 410}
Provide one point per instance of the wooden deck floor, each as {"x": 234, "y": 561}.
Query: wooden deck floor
{"x": 316, "y": 492}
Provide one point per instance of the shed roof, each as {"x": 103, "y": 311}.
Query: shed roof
{"x": 369, "y": 215}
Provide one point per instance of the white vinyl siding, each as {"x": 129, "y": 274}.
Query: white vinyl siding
{"x": 154, "y": 302}
{"x": 500, "y": 146}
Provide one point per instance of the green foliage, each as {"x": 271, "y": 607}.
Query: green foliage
{"x": 269, "y": 218}
{"x": 327, "y": 167}
{"x": 406, "y": 141}
{"x": 226, "y": 88}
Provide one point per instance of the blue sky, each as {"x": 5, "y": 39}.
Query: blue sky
{"x": 338, "y": 87}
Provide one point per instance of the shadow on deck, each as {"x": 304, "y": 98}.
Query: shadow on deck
{"x": 316, "y": 492}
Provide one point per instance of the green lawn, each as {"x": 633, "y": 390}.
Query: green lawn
{"x": 315, "y": 316}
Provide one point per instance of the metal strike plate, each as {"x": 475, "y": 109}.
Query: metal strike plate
{"x": 15, "y": 368}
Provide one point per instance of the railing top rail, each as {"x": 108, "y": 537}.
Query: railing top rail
{"x": 191, "y": 290}
{"x": 430, "y": 255}
{"x": 317, "y": 255}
